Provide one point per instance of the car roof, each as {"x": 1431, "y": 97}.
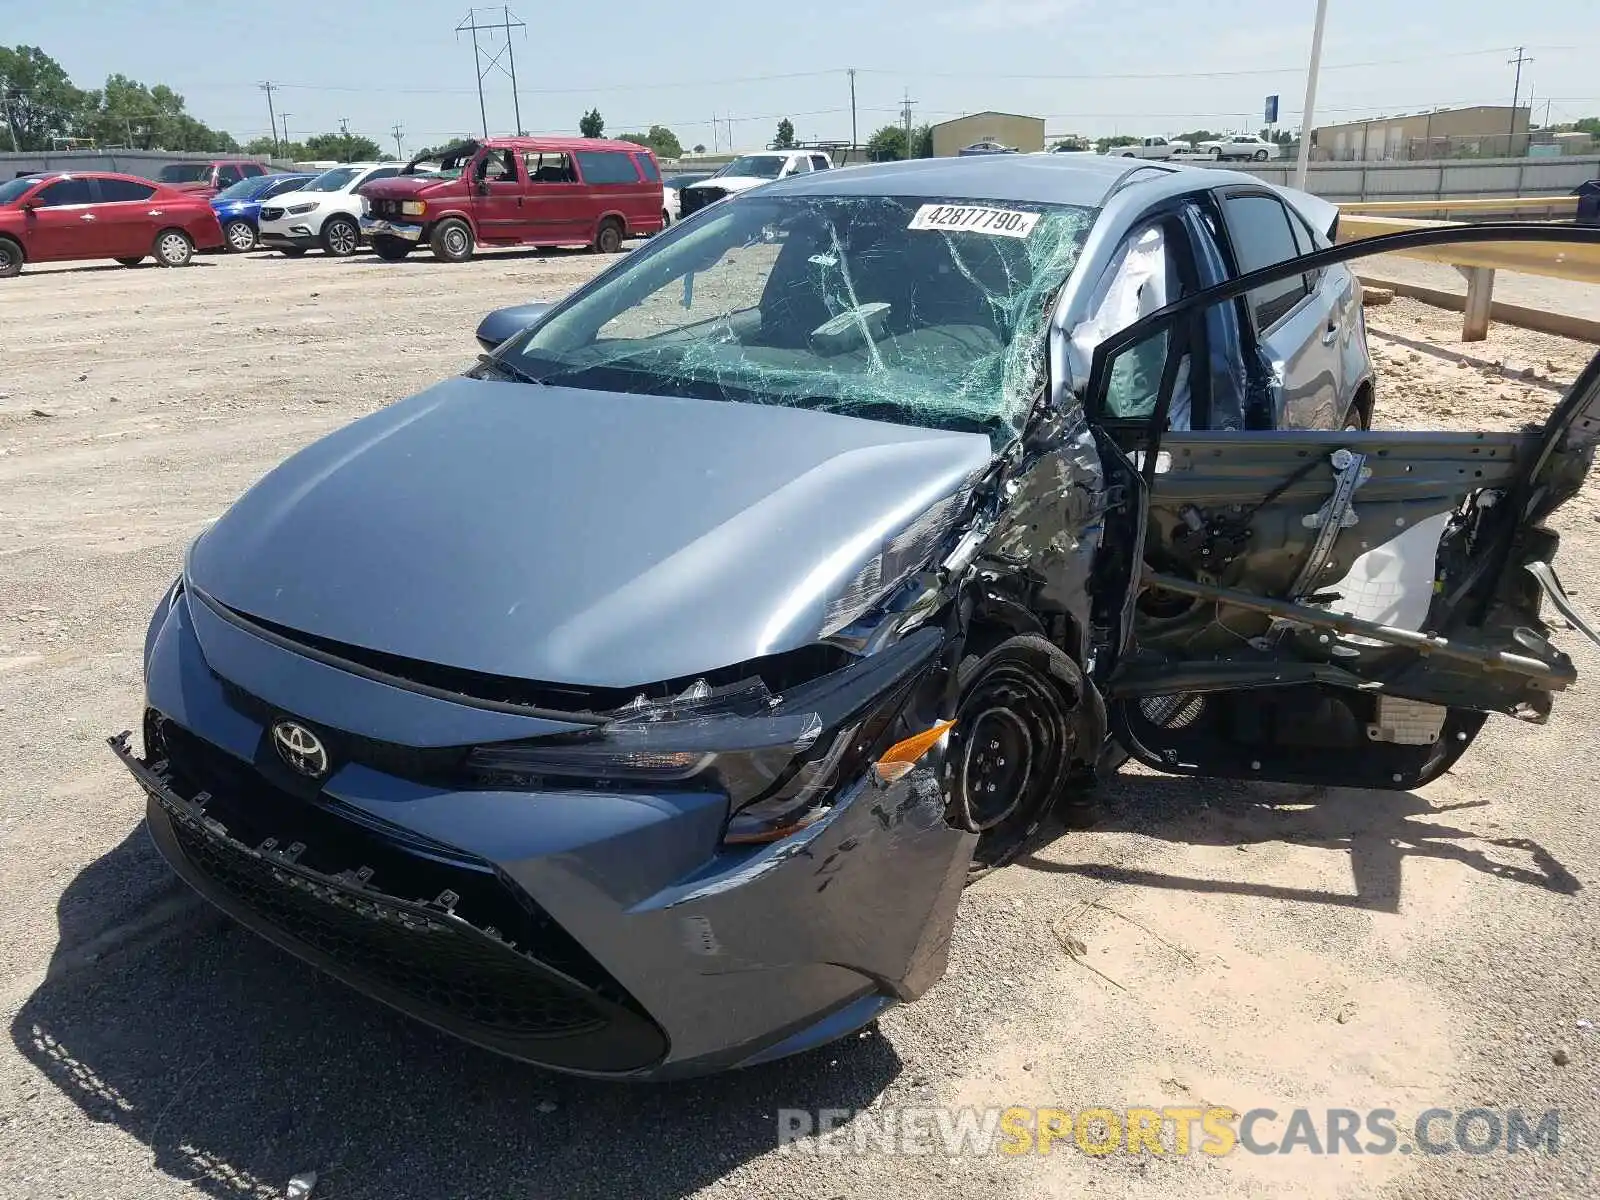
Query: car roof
{"x": 44, "y": 175}
{"x": 559, "y": 144}
{"x": 1085, "y": 180}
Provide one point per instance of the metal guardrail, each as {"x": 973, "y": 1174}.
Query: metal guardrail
{"x": 1554, "y": 205}
{"x": 1478, "y": 262}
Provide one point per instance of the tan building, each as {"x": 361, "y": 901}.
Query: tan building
{"x": 1484, "y": 131}
{"x": 1009, "y": 129}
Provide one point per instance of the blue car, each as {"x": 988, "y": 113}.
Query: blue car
{"x": 238, "y": 208}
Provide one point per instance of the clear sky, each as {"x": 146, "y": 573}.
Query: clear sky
{"x": 386, "y": 62}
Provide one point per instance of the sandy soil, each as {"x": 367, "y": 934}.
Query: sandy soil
{"x": 1247, "y": 946}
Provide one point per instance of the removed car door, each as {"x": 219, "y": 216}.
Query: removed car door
{"x": 1335, "y": 607}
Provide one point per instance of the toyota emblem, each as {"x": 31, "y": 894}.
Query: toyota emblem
{"x": 301, "y": 749}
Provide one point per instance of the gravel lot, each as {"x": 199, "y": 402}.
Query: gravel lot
{"x": 1248, "y": 946}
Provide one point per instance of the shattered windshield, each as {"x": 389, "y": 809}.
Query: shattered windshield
{"x": 755, "y": 166}
{"x": 895, "y": 309}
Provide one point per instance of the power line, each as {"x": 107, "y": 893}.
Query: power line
{"x": 507, "y": 22}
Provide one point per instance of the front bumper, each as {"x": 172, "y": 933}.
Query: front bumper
{"x": 372, "y": 227}
{"x": 298, "y": 237}
{"x": 596, "y": 932}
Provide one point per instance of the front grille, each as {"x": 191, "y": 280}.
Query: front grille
{"x": 387, "y": 209}
{"x": 270, "y": 213}
{"x": 694, "y": 199}
{"x": 423, "y": 925}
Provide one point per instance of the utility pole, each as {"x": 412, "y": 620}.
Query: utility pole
{"x": 853, "y": 142}
{"x": 715, "y": 147}
{"x": 1308, "y": 110}
{"x": 285, "y": 117}
{"x": 399, "y": 145}
{"x": 507, "y": 22}
{"x": 1516, "y": 94}
{"x": 905, "y": 115}
{"x": 272, "y": 120}
{"x": 344, "y": 126}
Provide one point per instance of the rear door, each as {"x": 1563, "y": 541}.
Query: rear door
{"x": 1336, "y": 607}
{"x": 1296, "y": 326}
{"x": 559, "y": 210}
{"x": 127, "y": 216}
{"x": 63, "y": 223}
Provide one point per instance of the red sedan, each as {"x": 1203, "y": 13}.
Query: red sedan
{"x": 54, "y": 217}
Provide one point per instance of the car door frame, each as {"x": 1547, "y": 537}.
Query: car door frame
{"x": 1544, "y": 477}
{"x": 1288, "y": 412}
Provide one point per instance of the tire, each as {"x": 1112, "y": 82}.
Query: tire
{"x": 608, "y": 238}
{"x": 1261, "y": 156}
{"x": 292, "y": 251}
{"x": 1028, "y": 732}
{"x": 391, "y": 249}
{"x": 1356, "y": 420}
{"x": 130, "y": 262}
{"x": 341, "y": 237}
{"x": 10, "y": 258}
{"x": 1127, "y": 154}
{"x": 173, "y": 248}
{"x": 240, "y": 236}
{"x": 451, "y": 240}
{"x": 1216, "y": 153}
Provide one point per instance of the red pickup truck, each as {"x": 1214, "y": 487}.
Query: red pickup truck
{"x": 544, "y": 191}
{"x": 209, "y": 178}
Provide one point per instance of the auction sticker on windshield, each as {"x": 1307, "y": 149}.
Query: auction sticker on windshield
{"x": 1007, "y": 222}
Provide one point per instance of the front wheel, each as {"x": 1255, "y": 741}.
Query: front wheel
{"x": 609, "y": 239}
{"x": 1215, "y": 152}
{"x": 173, "y": 248}
{"x": 1028, "y": 731}
{"x": 240, "y": 236}
{"x": 1261, "y": 156}
{"x": 340, "y": 237}
{"x": 390, "y": 249}
{"x": 451, "y": 241}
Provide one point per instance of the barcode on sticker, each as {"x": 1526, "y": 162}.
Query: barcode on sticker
{"x": 1007, "y": 222}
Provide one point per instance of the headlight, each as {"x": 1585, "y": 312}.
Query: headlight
{"x": 300, "y": 210}
{"x": 414, "y": 208}
{"x": 778, "y": 760}
{"x": 901, "y": 555}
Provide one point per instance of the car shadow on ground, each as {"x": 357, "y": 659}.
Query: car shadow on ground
{"x": 238, "y": 1067}
{"x": 1380, "y": 830}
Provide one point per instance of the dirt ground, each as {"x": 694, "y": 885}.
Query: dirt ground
{"x": 1209, "y": 944}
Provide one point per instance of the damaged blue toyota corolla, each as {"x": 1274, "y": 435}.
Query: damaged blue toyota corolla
{"x": 639, "y": 704}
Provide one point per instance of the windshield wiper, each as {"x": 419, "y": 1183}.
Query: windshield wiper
{"x": 509, "y": 369}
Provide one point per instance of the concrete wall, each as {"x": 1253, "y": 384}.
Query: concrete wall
{"x": 1445, "y": 179}
{"x": 146, "y": 163}
{"x": 1024, "y": 133}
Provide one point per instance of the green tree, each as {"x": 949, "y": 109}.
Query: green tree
{"x": 1589, "y": 125}
{"x": 922, "y": 141}
{"x": 887, "y": 145}
{"x": 343, "y": 147}
{"x": 699, "y": 147}
{"x": 1195, "y": 137}
{"x": 37, "y": 99}
{"x": 660, "y": 139}
{"x": 127, "y": 113}
{"x": 785, "y": 138}
{"x": 592, "y": 124}
{"x": 1111, "y": 143}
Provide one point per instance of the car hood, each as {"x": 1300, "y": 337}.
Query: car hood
{"x": 572, "y": 536}
{"x": 397, "y": 188}
{"x": 730, "y": 183}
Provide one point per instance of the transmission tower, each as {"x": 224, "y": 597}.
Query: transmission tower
{"x": 504, "y": 23}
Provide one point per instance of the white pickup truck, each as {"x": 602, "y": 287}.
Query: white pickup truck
{"x": 1150, "y": 147}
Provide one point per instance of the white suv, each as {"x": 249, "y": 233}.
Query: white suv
{"x": 748, "y": 171}
{"x": 1240, "y": 145}
{"x": 326, "y": 212}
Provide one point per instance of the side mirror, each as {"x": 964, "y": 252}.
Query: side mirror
{"x": 505, "y": 323}
{"x": 29, "y": 207}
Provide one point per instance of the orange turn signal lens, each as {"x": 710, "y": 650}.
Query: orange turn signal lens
{"x": 899, "y": 758}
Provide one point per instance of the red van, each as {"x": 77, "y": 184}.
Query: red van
{"x": 522, "y": 191}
